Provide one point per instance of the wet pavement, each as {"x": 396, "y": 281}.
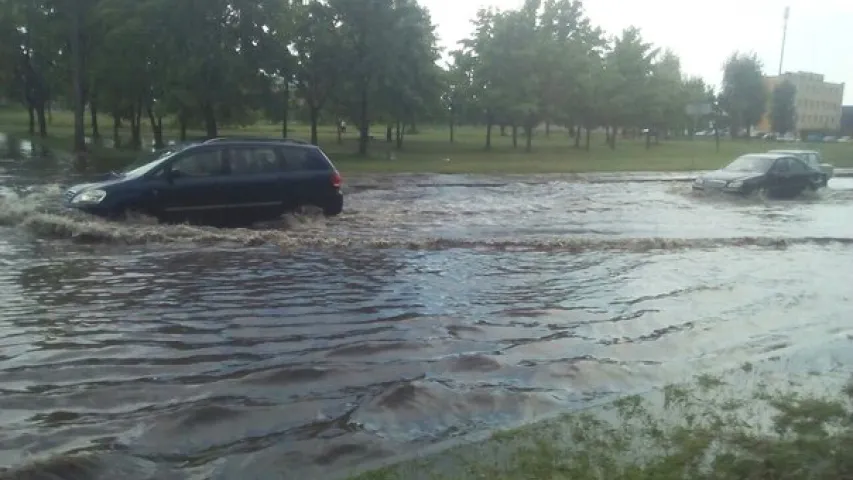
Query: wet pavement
{"x": 436, "y": 306}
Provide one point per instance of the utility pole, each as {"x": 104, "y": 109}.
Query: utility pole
{"x": 784, "y": 38}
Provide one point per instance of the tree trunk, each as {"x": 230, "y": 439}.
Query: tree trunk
{"x": 42, "y": 120}
{"x": 285, "y": 110}
{"x": 182, "y": 122}
{"x": 93, "y": 113}
{"x": 648, "y": 139}
{"x": 340, "y": 133}
{"x": 116, "y": 127}
{"x": 32, "y": 113}
{"x": 363, "y": 123}
{"x": 136, "y": 126}
{"x": 576, "y": 131}
{"x": 314, "y": 114}
{"x": 401, "y": 131}
{"x": 503, "y": 130}
{"x": 211, "y": 129}
{"x": 588, "y": 135}
{"x": 613, "y": 131}
{"x": 548, "y": 129}
{"x": 156, "y": 128}
{"x": 529, "y": 132}
{"x": 452, "y": 127}
{"x": 77, "y": 78}
{"x": 514, "y": 136}
{"x": 489, "y": 124}
{"x": 389, "y": 133}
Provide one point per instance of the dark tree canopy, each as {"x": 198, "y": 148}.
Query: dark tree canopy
{"x": 152, "y": 65}
{"x": 744, "y": 94}
{"x": 782, "y": 110}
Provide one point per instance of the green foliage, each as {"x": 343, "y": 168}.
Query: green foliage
{"x": 782, "y": 111}
{"x": 225, "y": 63}
{"x": 744, "y": 94}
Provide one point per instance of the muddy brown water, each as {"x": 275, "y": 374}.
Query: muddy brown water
{"x": 435, "y": 307}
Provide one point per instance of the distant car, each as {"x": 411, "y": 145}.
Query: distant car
{"x": 777, "y": 175}
{"x": 844, "y": 140}
{"x": 813, "y": 159}
{"x": 223, "y": 181}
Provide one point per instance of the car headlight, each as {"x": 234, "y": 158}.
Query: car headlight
{"x": 735, "y": 184}
{"x": 90, "y": 197}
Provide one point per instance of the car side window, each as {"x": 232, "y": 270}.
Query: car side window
{"x": 302, "y": 159}
{"x": 315, "y": 161}
{"x": 781, "y": 166}
{"x": 814, "y": 160}
{"x": 204, "y": 163}
{"x": 253, "y": 160}
{"x": 798, "y": 167}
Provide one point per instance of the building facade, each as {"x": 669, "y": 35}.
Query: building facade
{"x": 817, "y": 104}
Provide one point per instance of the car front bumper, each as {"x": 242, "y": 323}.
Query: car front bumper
{"x": 96, "y": 210}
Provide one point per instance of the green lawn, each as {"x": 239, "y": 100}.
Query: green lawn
{"x": 431, "y": 151}
{"x": 781, "y": 428}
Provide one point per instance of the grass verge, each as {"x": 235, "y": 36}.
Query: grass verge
{"x": 430, "y": 151}
{"x": 710, "y": 430}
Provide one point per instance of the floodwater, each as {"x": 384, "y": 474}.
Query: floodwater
{"x": 435, "y": 307}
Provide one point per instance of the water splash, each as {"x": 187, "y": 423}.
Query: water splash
{"x": 36, "y": 211}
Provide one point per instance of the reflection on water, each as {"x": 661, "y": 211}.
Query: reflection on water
{"x": 434, "y": 307}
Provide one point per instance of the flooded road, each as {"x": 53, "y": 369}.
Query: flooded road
{"x": 436, "y": 306}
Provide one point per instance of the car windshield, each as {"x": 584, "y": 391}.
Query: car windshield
{"x": 149, "y": 160}
{"x": 751, "y": 163}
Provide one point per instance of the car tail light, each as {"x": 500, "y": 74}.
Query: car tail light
{"x": 337, "y": 180}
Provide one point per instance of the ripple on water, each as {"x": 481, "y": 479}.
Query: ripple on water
{"x": 429, "y": 312}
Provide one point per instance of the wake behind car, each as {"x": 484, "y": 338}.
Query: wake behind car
{"x": 778, "y": 175}
{"x": 813, "y": 159}
{"x": 222, "y": 181}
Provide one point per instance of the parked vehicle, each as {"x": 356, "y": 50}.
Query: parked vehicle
{"x": 813, "y": 159}
{"x": 776, "y": 175}
{"x": 223, "y": 181}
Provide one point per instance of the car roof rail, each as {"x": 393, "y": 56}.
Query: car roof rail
{"x": 256, "y": 139}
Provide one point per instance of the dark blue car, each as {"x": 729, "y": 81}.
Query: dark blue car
{"x": 221, "y": 182}
{"x": 778, "y": 175}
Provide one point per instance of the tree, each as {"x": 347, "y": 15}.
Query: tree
{"x": 628, "y": 68}
{"x": 456, "y": 98}
{"x": 318, "y": 60}
{"x": 744, "y": 95}
{"x": 667, "y": 96}
{"x": 782, "y": 111}
{"x": 204, "y": 65}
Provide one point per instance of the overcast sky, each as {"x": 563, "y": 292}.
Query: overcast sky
{"x": 705, "y": 33}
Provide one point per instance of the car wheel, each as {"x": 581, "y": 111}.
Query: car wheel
{"x": 331, "y": 212}
{"x": 117, "y": 214}
{"x": 124, "y": 214}
{"x": 334, "y": 209}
